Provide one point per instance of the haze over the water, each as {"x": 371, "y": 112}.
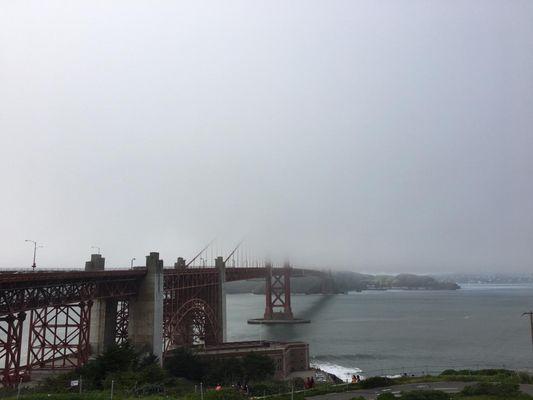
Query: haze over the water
{"x": 377, "y": 136}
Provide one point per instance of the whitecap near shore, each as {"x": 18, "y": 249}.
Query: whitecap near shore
{"x": 343, "y": 373}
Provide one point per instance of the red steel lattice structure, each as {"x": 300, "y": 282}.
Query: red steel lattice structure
{"x": 59, "y": 306}
{"x": 192, "y": 309}
{"x": 11, "y": 347}
{"x": 123, "y": 313}
{"x": 29, "y": 291}
{"x": 59, "y": 336}
{"x": 278, "y": 294}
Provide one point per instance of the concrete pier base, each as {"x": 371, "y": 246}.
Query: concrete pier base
{"x": 103, "y": 325}
{"x": 262, "y": 321}
{"x": 146, "y": 310}
{"x": 221, "y": 267}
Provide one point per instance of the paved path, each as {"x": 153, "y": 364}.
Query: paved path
{"x": 371, "y": 394}
{"x": 527, "y": 389}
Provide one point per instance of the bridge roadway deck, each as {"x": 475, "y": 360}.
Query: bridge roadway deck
{"x": 29, "y": 278}
{"x": 26, "y": 290}
{"x": 10, "y": 279}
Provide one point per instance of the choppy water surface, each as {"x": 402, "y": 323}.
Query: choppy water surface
{"x": 390, "y": 332}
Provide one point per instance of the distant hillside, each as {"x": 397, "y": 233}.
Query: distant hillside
{"x": 410, "y": 281}
{"x": 350, "y": 281}
{"x": 491, "y": 278}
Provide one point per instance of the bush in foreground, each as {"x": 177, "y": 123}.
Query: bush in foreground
{"x": 425, "y": 395}
{"x": 185, "y": 364}
{"x": 224, "y": 394}
{"x": 252, "y": 367}
{"x": 478, "y": 372}
{"x": 492, "y": 389}
{"x": 376, "y": 381}
{"x": 416, "y": 395}
{"x": 386, "y": 396}
{"x": 120, "y": 364}
{"x": 270, "y": 388}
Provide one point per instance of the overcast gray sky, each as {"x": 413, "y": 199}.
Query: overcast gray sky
{"x": 369, "y": 135}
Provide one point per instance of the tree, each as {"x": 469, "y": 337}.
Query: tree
{"x": 183, "y": 363}
{"x": 117, "y": 358}
{"x": 224, "y": 371}
{"x": 257, "y": 367}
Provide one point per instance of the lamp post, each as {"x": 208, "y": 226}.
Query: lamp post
{"x": 131, "y": 263}
{"x": 530, "y": 313}
{"x": 35, "y": 247}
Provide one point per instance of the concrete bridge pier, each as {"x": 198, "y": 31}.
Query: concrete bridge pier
{"x": 146, "y": 310}
{"x": 103, "y": 326}
{"x": 180, "y": 263}
{"x": 221, "y": 267}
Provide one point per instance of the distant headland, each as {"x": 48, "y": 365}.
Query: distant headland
{"x": 352, "y": 281}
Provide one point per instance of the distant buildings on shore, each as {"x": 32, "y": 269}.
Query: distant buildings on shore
{"x": 496, "y": 278}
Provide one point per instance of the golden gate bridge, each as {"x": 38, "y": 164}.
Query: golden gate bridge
{"x": 52, "y": 319}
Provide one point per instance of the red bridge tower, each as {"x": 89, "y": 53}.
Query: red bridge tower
{"x": 278, "y": 297}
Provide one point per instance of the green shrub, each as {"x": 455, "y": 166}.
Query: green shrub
{"x": 298, "y": 383}
{"x": 117, "y": 358}
{"x": 386, "y": 396}
{"x": 493, "y": 389}
{"x": 178, "y": 387}
{"x": 225, "y": 371}
{"x": 416, "y": 395}
{"x": 67, "y": 396}
{"x": 479, "y": 372}
{"x": 376, "y": 381}
{"x": 425, "y": 395}
{"x": 120, "y": 357}
{"x": 224, "y": 394}
{"x": 252, "y": 367}
{"x": 123, "y": 380}
{"x": 120, "y": 364}
{"x": 149, "y": 389}
{"x": 493, "y": 372}
{"x": 524, "y": 377}
{"x": 448, "y": 372}
{"x": 58, "y": 383}
{"x": 152, "y": 373}
{"x": 269, "y": 388}
{"x": 185, "y": 364}
{"x": 257, "y": 367}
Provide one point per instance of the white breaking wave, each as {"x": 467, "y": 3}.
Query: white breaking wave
{"x": 339, "y": 371}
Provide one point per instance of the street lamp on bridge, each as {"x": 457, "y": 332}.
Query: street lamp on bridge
{"x": 35, "y": 247}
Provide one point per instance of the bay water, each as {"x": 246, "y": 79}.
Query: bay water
{"x": 398, "y": 331}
